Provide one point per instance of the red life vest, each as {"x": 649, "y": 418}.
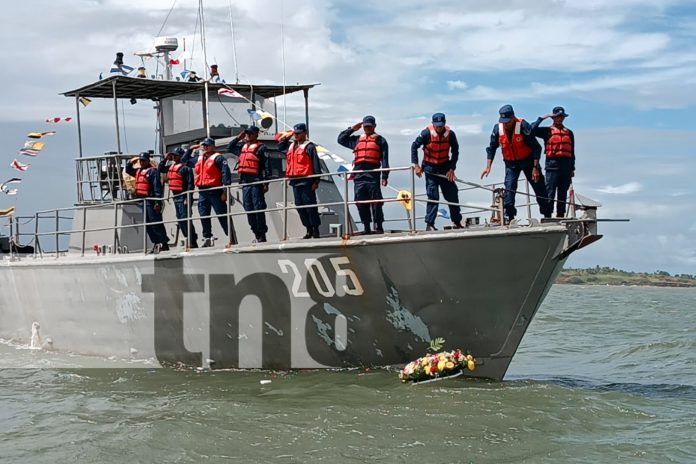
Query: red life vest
{"x": 249, "y": 162}
{"x": 437, "y": 151}
{"x": 299, "y": 162}
{"x": 517, "y": 150}
{"x": 207, "y": 172}
{"x": 175, "y": 179}
{"x": 559, "y": 145}
{"x": 367, "y": 150}
{"x": 142, "y": 185}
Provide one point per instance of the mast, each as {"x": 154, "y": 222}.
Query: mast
{"x": 205, "y": 68}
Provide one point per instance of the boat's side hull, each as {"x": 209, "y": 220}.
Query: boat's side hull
{"x": 325, "y": 304}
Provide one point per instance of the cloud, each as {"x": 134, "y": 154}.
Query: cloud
{"x": 456, "y": 85}
{"x": 631, "y": 187}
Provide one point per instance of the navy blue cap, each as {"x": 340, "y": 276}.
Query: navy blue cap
{"x": 177, "y": 152}
{"x": 208, "y": 141}
{"x": 559, "y": 111}
{"x": 369, "y": 121}
{"x": 144, "y": 156}
{"x": 439, "y": 120}
{"x": 506, "y": 113}
{"x": 252, "y": 130}
{"x": 299, "y": 128}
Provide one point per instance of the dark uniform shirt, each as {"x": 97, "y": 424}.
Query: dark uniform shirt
{"x": 348, "y": 140}
{"x": 311, "y": 151}
{"x": 153, "y": 178}
{"x": 186, "y": 173}
{"x": 529, "y": 139}
{"x": 235, "y": 147}
{"x": 220, "y": 161}
{"x": 544, "y": 133}
{"x": 424, "y": 139}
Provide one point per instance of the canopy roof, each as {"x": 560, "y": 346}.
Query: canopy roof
{"x": 152, "y": 89}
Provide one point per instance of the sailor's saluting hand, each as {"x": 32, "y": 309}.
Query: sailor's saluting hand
{"x": 356, "y": 126}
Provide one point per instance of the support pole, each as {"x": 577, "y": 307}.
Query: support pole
{"x": 306, "y": 107}
{"x": 79, "y": 126}
{"x": 118, "y": 133}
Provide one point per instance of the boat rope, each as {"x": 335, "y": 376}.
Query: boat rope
{"x": 165, "y": 19}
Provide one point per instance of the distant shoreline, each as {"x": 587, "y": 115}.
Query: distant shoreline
{"x": 616, "y": 277}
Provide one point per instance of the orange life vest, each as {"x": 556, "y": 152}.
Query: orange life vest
{"x": 559, "y": 145}
{"x": 367, "y": 150}
{"x": 437, "y": 151}
{"x": 175, "y": 179}
{"x": 249, "y": 161}
{"x": 517, "y": 150}
{"x": 206, "y": 171}
{"x": 299, "y": 162}
{"x": 142, "y": 185}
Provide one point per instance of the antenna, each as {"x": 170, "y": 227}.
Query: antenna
{"x": 234, "y": 45}
{"x": 282, "y": 49}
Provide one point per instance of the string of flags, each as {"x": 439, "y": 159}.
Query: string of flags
{"x": 58, "y": 120}
{"x": 32, "y": 148}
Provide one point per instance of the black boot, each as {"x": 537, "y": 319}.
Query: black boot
{"x": 315, "y": 232}
{"x": 261, "y": 238}
{"x": 164, "y": 247}
{"x": 309, "y": 233}
{"x": 194, "y": 243}
{"x": 378, "y": 228}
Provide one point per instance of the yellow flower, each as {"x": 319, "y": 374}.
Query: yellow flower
{"x": 471, "y": 365}
{"x": 440, "y": 366}
{"x": 424, "y": 362}
{"x": 469, "y": 357}
{"x": 449, "y": 365}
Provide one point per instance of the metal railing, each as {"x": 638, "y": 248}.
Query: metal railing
{"x": 56, "y": 215}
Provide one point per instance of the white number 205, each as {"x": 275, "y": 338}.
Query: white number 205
{"x": 320, "y": 278}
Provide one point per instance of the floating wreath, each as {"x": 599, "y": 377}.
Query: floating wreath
{"x": 436, "y": 365}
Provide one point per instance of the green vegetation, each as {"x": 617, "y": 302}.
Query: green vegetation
{"x": 611, "y": 276}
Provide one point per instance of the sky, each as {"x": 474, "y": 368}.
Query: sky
{"x": 625, "y": 71}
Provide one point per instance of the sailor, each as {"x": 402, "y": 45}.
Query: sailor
{"x": 438, "y": 140}
{"x": 193, "y": 77}
{"x": 371, "y": 152}
{"x": 253, "y": 167}
{"x": 521, "y": 153}
{"x": 302, "y": 161}
{"x": 180, "y": 179}
{"x": 149, "y": 186}
{"x": 211, "y": 172}
{"x": 559, "y": 146}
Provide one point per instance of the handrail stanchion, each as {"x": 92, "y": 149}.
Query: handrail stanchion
{"x": 11, "y": 221}
{"x": 84, "y": 230}
{"x": 189, "y": 213}
{"x": 36, "y": 233}
{"x": 115, "y": 226}
{"x": 144, "y": 201}
{"x": 529, "y": 201}
{"x": 413, "y": 199}
{"x": 56, "y": 233}
{"x": 285, "y": 208}
{"x": 346, "y": 221}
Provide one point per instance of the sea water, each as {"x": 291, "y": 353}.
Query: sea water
{"x": 604, "y": 374}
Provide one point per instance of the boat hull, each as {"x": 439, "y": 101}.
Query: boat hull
{"x": 325, "y": 303}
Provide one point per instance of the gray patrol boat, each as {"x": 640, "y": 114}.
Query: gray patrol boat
{"x": 86, "y": 276}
